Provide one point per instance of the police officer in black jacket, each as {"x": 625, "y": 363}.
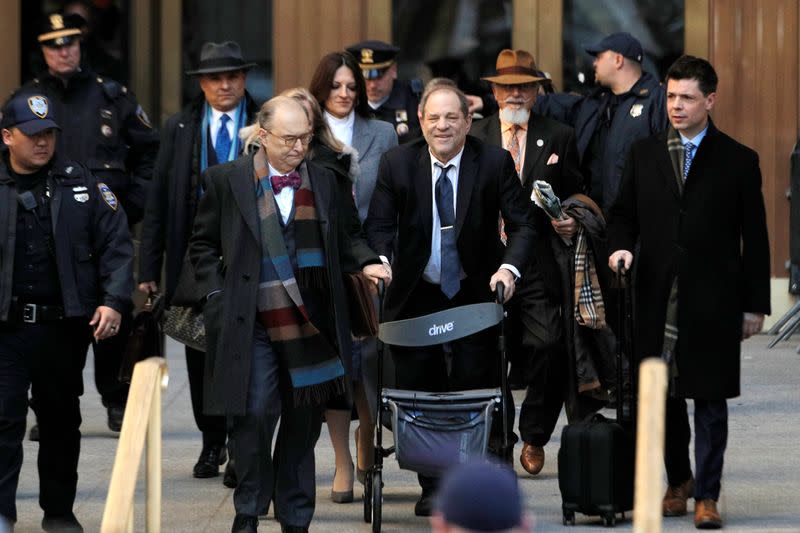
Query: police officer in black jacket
{"x": 104, "y": 128}
{"x": 65, "y": 277}
{"x": 391, "y": 100}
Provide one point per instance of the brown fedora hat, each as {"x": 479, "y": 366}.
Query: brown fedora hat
{"x": 515, "y": 67}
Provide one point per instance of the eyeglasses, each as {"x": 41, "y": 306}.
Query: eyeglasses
{"x": 291, "y": 140}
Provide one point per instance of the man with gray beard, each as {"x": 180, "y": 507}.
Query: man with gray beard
{"x": 542, "y": 149}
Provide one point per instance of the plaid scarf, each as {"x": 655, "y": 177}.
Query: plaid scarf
{"x": 675, "y": 149}
{"x": 314, "y": 367}
{"x": 590, "y": 310}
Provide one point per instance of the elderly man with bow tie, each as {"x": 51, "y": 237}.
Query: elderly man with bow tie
{"x": 269, "y": 247}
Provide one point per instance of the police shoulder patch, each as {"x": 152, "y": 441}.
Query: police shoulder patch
{"x": 108, "y": 196}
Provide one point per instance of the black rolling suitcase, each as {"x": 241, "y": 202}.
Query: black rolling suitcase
{"x": 596, "y": 457}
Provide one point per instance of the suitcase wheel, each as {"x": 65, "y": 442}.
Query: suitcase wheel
{"x": 568, "y": 518}
{"x": 610, "y": 520}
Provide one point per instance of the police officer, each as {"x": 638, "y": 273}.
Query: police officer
{"x": 627, "y": 105}
{"x": 391, "y": 100}
{"x": 65, "y": 276}
{"x": 104, "y": 128}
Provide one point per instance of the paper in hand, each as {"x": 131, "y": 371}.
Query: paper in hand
{"x": 544, "y": 197}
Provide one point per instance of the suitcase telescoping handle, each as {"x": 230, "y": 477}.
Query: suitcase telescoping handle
{"x": 623, "y": 346}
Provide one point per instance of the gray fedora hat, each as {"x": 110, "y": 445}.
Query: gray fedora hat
{"x": 220, "y": 57}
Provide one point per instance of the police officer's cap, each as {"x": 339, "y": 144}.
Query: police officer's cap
{"x": 30, "y": 112}
{"x": 622, "y": 43}
{"x": 374, "y": 57}
{"x": 60, "y": 30}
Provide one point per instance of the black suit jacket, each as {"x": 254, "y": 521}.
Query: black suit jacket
{"x": 714, "y": 237}
{"x": 401, "y": 216}
{"x": 564, "y": 176}
{"x": 225, "y": 250}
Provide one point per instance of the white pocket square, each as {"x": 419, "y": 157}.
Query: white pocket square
{"x": 553, "y": 159}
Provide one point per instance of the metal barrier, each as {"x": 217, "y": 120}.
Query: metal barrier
{"x": 142, "y": 421}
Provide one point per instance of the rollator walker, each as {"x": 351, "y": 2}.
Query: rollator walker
{"x": 434, "y": 431}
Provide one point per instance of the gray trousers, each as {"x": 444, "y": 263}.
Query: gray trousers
{"x": 285, "y": 476}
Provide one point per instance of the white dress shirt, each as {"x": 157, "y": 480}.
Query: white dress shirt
{"x": 342, "y": 128}
{"x": 433, "y": 270}
{"x": 285, "y": 199}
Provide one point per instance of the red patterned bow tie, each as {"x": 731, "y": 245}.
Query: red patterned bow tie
{"x": 292, "y": 179}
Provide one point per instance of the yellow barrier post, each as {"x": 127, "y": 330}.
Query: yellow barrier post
{"x": 650, "y": 446}
{"x": 142, "y": 420}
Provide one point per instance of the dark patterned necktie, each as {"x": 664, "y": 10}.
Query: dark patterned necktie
{"x": 223, "y": 145}
{"x": 450, "y": 279}
{"x": 688, "y": 155}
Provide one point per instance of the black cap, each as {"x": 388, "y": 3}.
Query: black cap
{"x": 622, "y": 43}
{"x": 30, "y": 112}
{"x": 220, "y": 57}
{"x": 480, "y": 497}
{"x": 374, "y": 57}
{"x": 60, "y": 30}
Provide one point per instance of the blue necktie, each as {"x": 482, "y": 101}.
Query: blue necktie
{"x": 450, "y": 279}
{"x": 688, "y": 155}
{"x": 223, "y": 144}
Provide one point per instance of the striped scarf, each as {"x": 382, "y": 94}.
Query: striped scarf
{"x": 590, "y": 310}
{"x": 314, "y": 367}
{"x": 675, "y": 149}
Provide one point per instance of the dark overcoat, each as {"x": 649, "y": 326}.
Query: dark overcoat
{"x": 225, "y": 250}
{"x": 545, "y": 137}
{"x": 172, "y": 199}
{"x": 714, "y": 237}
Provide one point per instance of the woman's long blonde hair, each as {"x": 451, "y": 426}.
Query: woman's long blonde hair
{"x": 322, "y": 132}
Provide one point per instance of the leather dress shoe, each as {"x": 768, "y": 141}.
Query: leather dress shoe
{"x": 229, "y": 478}
{"x": 244, "y": 524}
{"x": 61, "y": 523}
{"x": 115, "y": 414}
{"x": 33, "y": 434}
{"x": 210, "y": 458}
{"x": 532, "y": 458}
{"x": 706, "y": 515}
{"x": 424, "y": 506}
{"x": 674, "y": 502}
{"x": 293, "y": 529}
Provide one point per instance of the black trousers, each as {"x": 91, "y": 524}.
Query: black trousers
{"x": 287, "y": 475}
{"x": 107, "y": 362}
{"x": 710, "y": 441}
{"x": 49, "y": 357}
{"x": 469, "y": 363}
{"x": 213, "y": 428}
{"x": 548, "y": 390}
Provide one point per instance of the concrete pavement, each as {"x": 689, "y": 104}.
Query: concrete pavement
{"x": 761, "y": 487}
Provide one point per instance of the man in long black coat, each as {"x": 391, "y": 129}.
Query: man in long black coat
{"x": 268, "y": 247}
{"x": 692, "y": 198}
{"x": 542, "y": 149}
{"x": 191, "y": 141}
